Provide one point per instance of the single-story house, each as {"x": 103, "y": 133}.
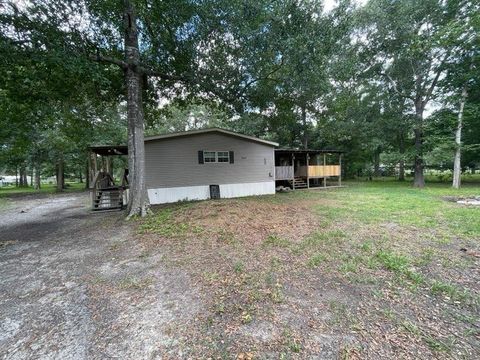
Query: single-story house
{"x": 196, "y": 165}
{"x": 208, "y": 163}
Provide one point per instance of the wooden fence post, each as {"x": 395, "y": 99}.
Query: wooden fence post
{"x": 340, "y": 171}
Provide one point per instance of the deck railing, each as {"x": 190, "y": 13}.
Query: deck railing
{"x": 323, "y": 170}
{"x": 314, "y": 171}
{"x": 301, "y": 171}
{"x": 283, "y": 172}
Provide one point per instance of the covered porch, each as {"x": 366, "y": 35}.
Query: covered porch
{"x": 106, "y": 192}
{"x": 308, "y": 168}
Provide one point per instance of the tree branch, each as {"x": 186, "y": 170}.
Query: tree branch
{"x": 435, "y": 80}
{"x": 266, "y": 77}
{"x": 155, "y": 73}
{"x": 109, "y": 60}
{"x": 395, "y": 88}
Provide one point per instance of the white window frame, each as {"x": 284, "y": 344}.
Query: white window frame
{"x": 216, "y": 157}
{"x": 209, "y": 162}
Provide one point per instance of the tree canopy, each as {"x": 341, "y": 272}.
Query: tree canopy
{"x": 381, "y": 80}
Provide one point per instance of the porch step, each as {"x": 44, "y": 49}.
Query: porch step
{"x": 299, "y": 183}
{"x": 108, "y": 200}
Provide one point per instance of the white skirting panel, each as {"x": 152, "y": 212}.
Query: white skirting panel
{"x": 238, "y": 190}
{"x": 187, "y": 193}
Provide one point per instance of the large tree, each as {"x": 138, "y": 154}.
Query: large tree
{"x": 463, "y": 71}
{"x": 409, "y": 49}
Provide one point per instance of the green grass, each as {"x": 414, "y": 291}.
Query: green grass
{"x": 393, "y": 262}
{"x": 276, "y": 241}
{"x": 381, "y": 241}
{"x": 316, "y": 259}
{"x": 401, "y": 204}
{"x": 11, "y": 191}
{"x": 163, "y": 223}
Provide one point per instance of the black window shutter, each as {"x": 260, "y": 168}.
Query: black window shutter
{"x": 200, "y": 156}
{"x": 232, "y": 160}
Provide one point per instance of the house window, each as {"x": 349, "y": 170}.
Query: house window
{"x": 209, "y": 156}
{"x": 223, "y": 156}
{"x": 216, "y": 156}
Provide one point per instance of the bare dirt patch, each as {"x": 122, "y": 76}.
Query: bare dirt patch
{"x": 464, "y": 200}
{"x": 75, "y": 285}
{"x": 249, "y": 259}
{"x": 251, "y": 221}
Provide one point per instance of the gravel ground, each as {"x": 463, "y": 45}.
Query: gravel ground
{"x": 74, "y": 285}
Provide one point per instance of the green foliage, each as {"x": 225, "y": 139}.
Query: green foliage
{"x": 286, "y": 71}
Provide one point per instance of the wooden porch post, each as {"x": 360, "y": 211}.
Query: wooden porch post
{"x": 89, "y": 169}
{"x": 108, "y": 165}
{"x": 340, "y": 173}
{"x": 293, "y": 171}
{"x": 92, "y": 170}
{"x": 307, "y": 160}
{"x": 92, "y": 167}
{"x": 324, "y": 169}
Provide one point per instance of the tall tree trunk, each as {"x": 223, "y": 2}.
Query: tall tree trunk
{"x": 419, "y": 180}
{"x": 401, "y": 164}
{"x": 304, "y": 125}
{"x": 376, "y": 162}
{"x": 16, "y": 176}
{"x": 23, "y": 176}
{"x": 457, "y": 170}
{"x": 37, "y": 177}
{"x": 138, "y": 201}
{"x": 60, "y": 174}
{"x": 401, "y": 170}
{"x": 20, "y": 177}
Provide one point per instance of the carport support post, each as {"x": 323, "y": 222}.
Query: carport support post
{"x": 293, "y": 172}
{"x": 307, "y": 161}
{"x": 93, "y": 166}
{"x": 340, "y": 170}
{"x": 108, "y": 165}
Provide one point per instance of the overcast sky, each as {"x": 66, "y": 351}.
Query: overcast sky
{"x": 330, "y": 4}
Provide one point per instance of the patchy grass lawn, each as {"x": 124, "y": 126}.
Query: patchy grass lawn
{"x": 373, "y": 270}
{"x": 12, "y": 191}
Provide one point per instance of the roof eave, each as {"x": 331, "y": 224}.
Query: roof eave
{"x": 203, "y": 131}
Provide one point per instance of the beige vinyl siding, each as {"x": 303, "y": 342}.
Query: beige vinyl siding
{"x": 173, "y": 162}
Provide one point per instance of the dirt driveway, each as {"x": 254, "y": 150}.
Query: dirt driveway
{"x": 74, "y": 285}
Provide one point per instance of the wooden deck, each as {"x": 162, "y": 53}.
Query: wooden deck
{"x": 314, "y": 171}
